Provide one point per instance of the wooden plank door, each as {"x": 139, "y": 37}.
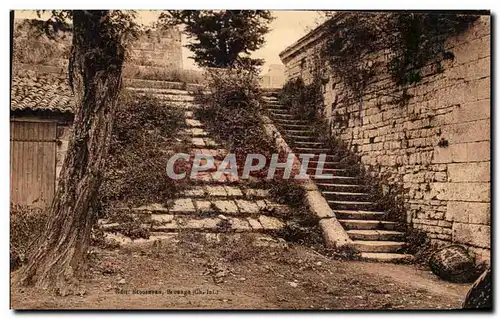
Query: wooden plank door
{"x": 32, "y": 163}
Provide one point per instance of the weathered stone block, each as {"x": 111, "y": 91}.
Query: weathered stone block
{"x": 215, "y": 191}
{"x": 469, "y": 172}
{"x": 471, "y": 234}
{"x": 467, "y": 132}
{"x": 233, "y": 191}
{"x": 226, "y": 206}
{"x": 468, "y": 212}
{"x": 182, "y": 205}
{"x": 162, "y": 218}
{"x": 246, "y": 206}
{"x": 463, "y": 152}
{"x": 270, "y": 223}
{"x": 254, "y": 223}
{"x": 318, "y": 204}
{"x": 473, "y": 192}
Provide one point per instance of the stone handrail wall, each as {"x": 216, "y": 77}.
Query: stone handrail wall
{"x": 333, "y": 232}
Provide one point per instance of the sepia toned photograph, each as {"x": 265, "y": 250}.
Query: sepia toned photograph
{"x": 250, "y": 160}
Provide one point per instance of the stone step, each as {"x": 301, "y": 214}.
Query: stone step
{"x": 195, "y": 132}
{"x": 163, "y": 95}
{"x": 307, "y": 144}
{"x": 257, "y": 239}
{"x": 185, "y": 105}
{"x": 291, "y": 121}
{"x": 270, "y": 97}
{"x": 275, "y": 112}
{"x": 283, "y": 116}
{"x": 297, "y": 138}
{"x": 221, "y": 224}
{"x": 334, "y": 171}
{"x": 224, "y": 191}
{"x": 327, "y": 164}
{"x": 378, "y": 246}
{"x": 367, "y": 224}
{"x": 217, "y": 154}
{"x": 295, "y": 126}
{"x": 271, "y": 91}
{"x": 160, "y": 91}
{"x": 336, "y": 180}
{"x": 346, "y": 196}
{"x": 312, "y": 150}
{"x": 359, "y": 214}
{"x": 211, "y": 206}
{"x": 386, "y": 257}
{"x": 193, "y": 123}
{"x": 296, "y": 132}
{"x": 350, "y": 205}
{"x": 375, "y": 235}
{"x": 341, "y": 187}
{"x": 203, "y": 142}
{"x": 141, "y": 83}
{"x": 276, "y": 106}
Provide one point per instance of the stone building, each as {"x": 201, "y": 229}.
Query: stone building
{"x": 274, "y": 78}
{"x": 437, "y": 147}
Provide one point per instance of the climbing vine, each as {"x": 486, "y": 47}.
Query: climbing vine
{"x": 419, "y": 39}
{"x": 409, "y": 41}
{"x": 304, "y": 100}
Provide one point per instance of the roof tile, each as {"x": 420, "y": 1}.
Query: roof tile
{"x": 31, "y": 90}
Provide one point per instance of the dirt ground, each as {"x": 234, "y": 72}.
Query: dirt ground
{"x": 198, "y": 274}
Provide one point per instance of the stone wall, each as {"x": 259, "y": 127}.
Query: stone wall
{"x": 437, "y": 146}
{"x": 158, "y": 49}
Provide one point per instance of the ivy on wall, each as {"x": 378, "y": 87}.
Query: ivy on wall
{"x": 409, "y": 40}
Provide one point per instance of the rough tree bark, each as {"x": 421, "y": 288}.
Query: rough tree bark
{"x": 479, "y": 295}
{"x": 95, "y": 75}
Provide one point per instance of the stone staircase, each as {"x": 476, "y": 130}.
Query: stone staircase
{"x": 208, "y": 205}
{"x": 376, "y": 238}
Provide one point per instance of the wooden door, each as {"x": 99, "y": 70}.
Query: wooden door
{"x": 32, "y": 163}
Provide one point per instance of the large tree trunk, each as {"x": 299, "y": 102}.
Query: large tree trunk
{"x": 95, "y": 74}
{"x": 479, "y": 295}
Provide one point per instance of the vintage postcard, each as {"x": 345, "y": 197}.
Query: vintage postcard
{"x": 250, "y": 159}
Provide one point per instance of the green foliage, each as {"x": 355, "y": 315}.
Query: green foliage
{"x": 26, "y": 225}
{"x": 143, "y": 138}
{"x": 419, "y": 39}
{"x": 287, "y": 192}
{"x": 118, "y": 25}
{"x": 222, "y": 38}
{"x": 162, "y": 74}
{"x": 410, "y": 40}
{"x": 350, "y": 37}
{"x": 304, "y": 101}
{"x": 230, "y": 112}
{"x": 32, "y": 46}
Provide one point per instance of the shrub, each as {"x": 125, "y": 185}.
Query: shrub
{"x": 163, "y": 74}
{"x": 33, "y": 46}
{"x": 26, "y": 224}
{"x": 305, "y": 101}
{"x": 230, "y": 111}
{"x": 143, "y": 138}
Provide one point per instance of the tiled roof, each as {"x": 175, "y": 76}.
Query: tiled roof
{"x": 33, "y": 90}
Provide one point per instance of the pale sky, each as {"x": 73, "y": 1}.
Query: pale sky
{"x": 288, "y": 27}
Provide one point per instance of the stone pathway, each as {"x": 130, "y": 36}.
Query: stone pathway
{"x": 376, "y": 238}
{"x": 209, "y": 205}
